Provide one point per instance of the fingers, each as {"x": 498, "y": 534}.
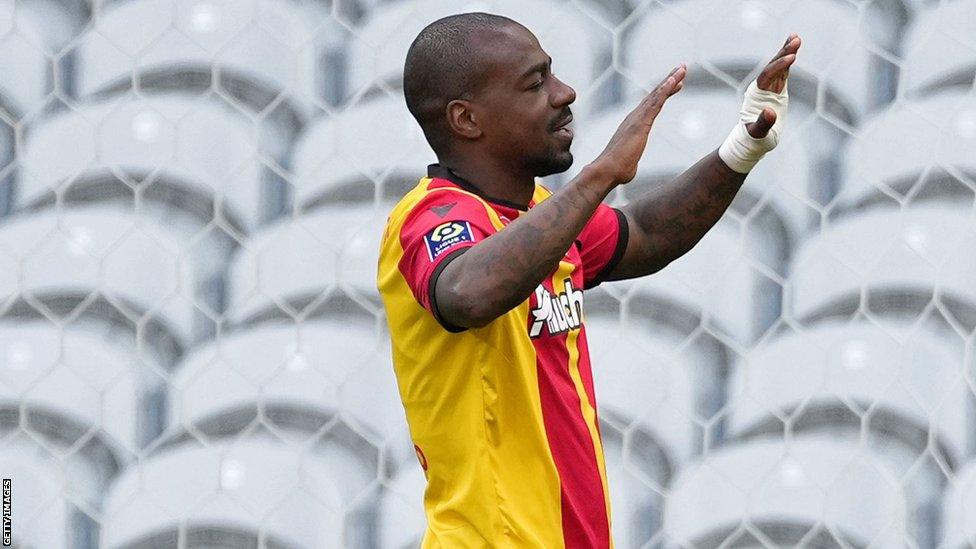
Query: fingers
{"x": 760, "y": 128}
{"x": 773, "y": 77}
{"x": 792, "y": 45}
{"x": 774, "y": 74}
{"x": 671, "y": 85}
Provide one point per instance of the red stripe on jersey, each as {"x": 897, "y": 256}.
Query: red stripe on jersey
{"x": 585, "y": 370}
{"x": 584, "y": 513}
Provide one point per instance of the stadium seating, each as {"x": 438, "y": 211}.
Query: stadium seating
{"x": 838, "y": 69}
{"x": 74, "y": 256}
{"x": 263, "y": 53}
{"x": 711, "y": 281}
{"x": 939, "y": 50}
{"x": 33, "y": 32}
{"x": 903, "y": 387}
{"x": 960, "y": 510}
{"x": 328, "y": 379}
{"x": 895, "y": 389}
{"x": 42, "y": 515}
{"x": 234, "y": 491}
{"x": 182, "y": 365}
{"x": 400, "y": 511}
{"x": 630, "y": 353}
{"x": 811, "y": 492}
{"x": 335, "y": 160}
{"x": 292, "y": 268}
{"x": 193, "y": 155}
{"x": 899, "y": 260}
{"x": 931, "y": 159}
{"x": 40, "y": 364}
{"x": 635, "y": 498}
{"x": 647, "y": 432}
{"x": 576, "y": 43}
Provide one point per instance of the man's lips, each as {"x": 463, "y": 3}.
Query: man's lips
{"x": 562, "y": 129}
{"x": 563, "y": 123}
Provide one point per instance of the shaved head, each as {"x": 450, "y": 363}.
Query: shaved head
{"x": 445, "y": 62}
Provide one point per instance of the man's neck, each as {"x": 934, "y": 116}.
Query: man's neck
{"x": 494, "y": 181}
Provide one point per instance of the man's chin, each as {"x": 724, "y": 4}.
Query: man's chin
{"x": 558, "y": 164}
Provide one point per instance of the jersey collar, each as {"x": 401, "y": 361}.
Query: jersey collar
{"x": 443, "y": 172}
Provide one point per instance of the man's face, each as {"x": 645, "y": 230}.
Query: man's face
{"x": 524, "y": 105}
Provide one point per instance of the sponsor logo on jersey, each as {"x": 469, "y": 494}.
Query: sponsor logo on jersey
{"x": 557, "y": 313}
{"x": 445, "y": 236}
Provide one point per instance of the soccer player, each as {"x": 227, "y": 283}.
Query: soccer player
{"x": 482, "y": 272}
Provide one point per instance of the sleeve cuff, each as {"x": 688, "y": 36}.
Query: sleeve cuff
{"x": 623, "y": 235}
{"x": 451, "y": 256}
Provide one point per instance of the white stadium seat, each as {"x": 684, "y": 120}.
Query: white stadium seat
{"x": 725, "y": 281}
{"x": 335, "y": 158}
{"x": 293, "y": 497}
{"x": 39, "y": 365}
{"x": 921, "y": 251}
{"x": 835, "y": 494}
{"x": 33, "y": 34}
{"x": 201, "y": 152}
{"x": 132, "y": 262}
{"x": 303, "y": 260}
{"x": 635, "y": 498}
{"x": 332, "y": 370}
{"x": 732, "y": 38}
{"x": 829, "y": 376}
{"x": 645, "y": 380}
{"x": 401, "y": 510}
{"x": 40, "y": 513}
{"x": 959, "y": 510}
{"x": 650, "y": 384}
{"x": 938, "y": 48}
{"x": 930, "y": 158}
{"x": 693, "y": 124}
{"x": 576, "y": 42}
{"x": 256, "y": 50}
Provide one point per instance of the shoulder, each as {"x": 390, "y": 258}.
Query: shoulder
{"x": 434, "y": 200}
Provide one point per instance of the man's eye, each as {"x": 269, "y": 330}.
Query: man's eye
{"x": 536, "y": 86}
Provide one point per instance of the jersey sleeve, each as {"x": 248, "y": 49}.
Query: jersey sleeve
{"x": 437, "y": 230}
{"x": 602, "y": 243}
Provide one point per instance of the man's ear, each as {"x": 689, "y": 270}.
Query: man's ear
{"x": 462, "y": 119}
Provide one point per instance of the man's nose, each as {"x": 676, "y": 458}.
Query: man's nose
{"x": 564, "y": 95}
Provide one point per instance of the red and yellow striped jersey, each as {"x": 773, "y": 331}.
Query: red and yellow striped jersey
{"x": 503, "y": 417}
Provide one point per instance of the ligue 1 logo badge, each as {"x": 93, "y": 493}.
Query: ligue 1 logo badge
{"x": 446, "y": 235}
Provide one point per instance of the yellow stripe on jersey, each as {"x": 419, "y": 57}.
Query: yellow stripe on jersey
{"x": 474, "y": 410}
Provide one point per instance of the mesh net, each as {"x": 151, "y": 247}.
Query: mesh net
{"x": 193, "y": 352}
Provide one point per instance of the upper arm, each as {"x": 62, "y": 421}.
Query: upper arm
{"x": 638, "y": 258}
{"x": 438, "y": 229}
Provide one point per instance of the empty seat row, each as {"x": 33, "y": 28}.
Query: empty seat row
{"x": 239, "y": 492}
{"x": 263, "y": 54}
{"x": 165, "y": 147}
{"x": 332, "y": 378}
{"x": 808, "y": 491}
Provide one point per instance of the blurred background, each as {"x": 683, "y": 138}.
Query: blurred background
{"x": 193, "y": 352}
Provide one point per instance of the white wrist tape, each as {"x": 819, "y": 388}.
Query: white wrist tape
{"x": 741, "y": 151}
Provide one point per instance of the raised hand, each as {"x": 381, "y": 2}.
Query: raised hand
{"x": 619, "y": 159}
{"x": 773, "y": 79}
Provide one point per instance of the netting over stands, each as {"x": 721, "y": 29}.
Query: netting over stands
{"x": 193, "y": 351}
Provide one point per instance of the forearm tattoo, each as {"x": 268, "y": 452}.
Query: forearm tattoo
{"x": 676, "y": 215}
{"x": 506, "y": 267}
